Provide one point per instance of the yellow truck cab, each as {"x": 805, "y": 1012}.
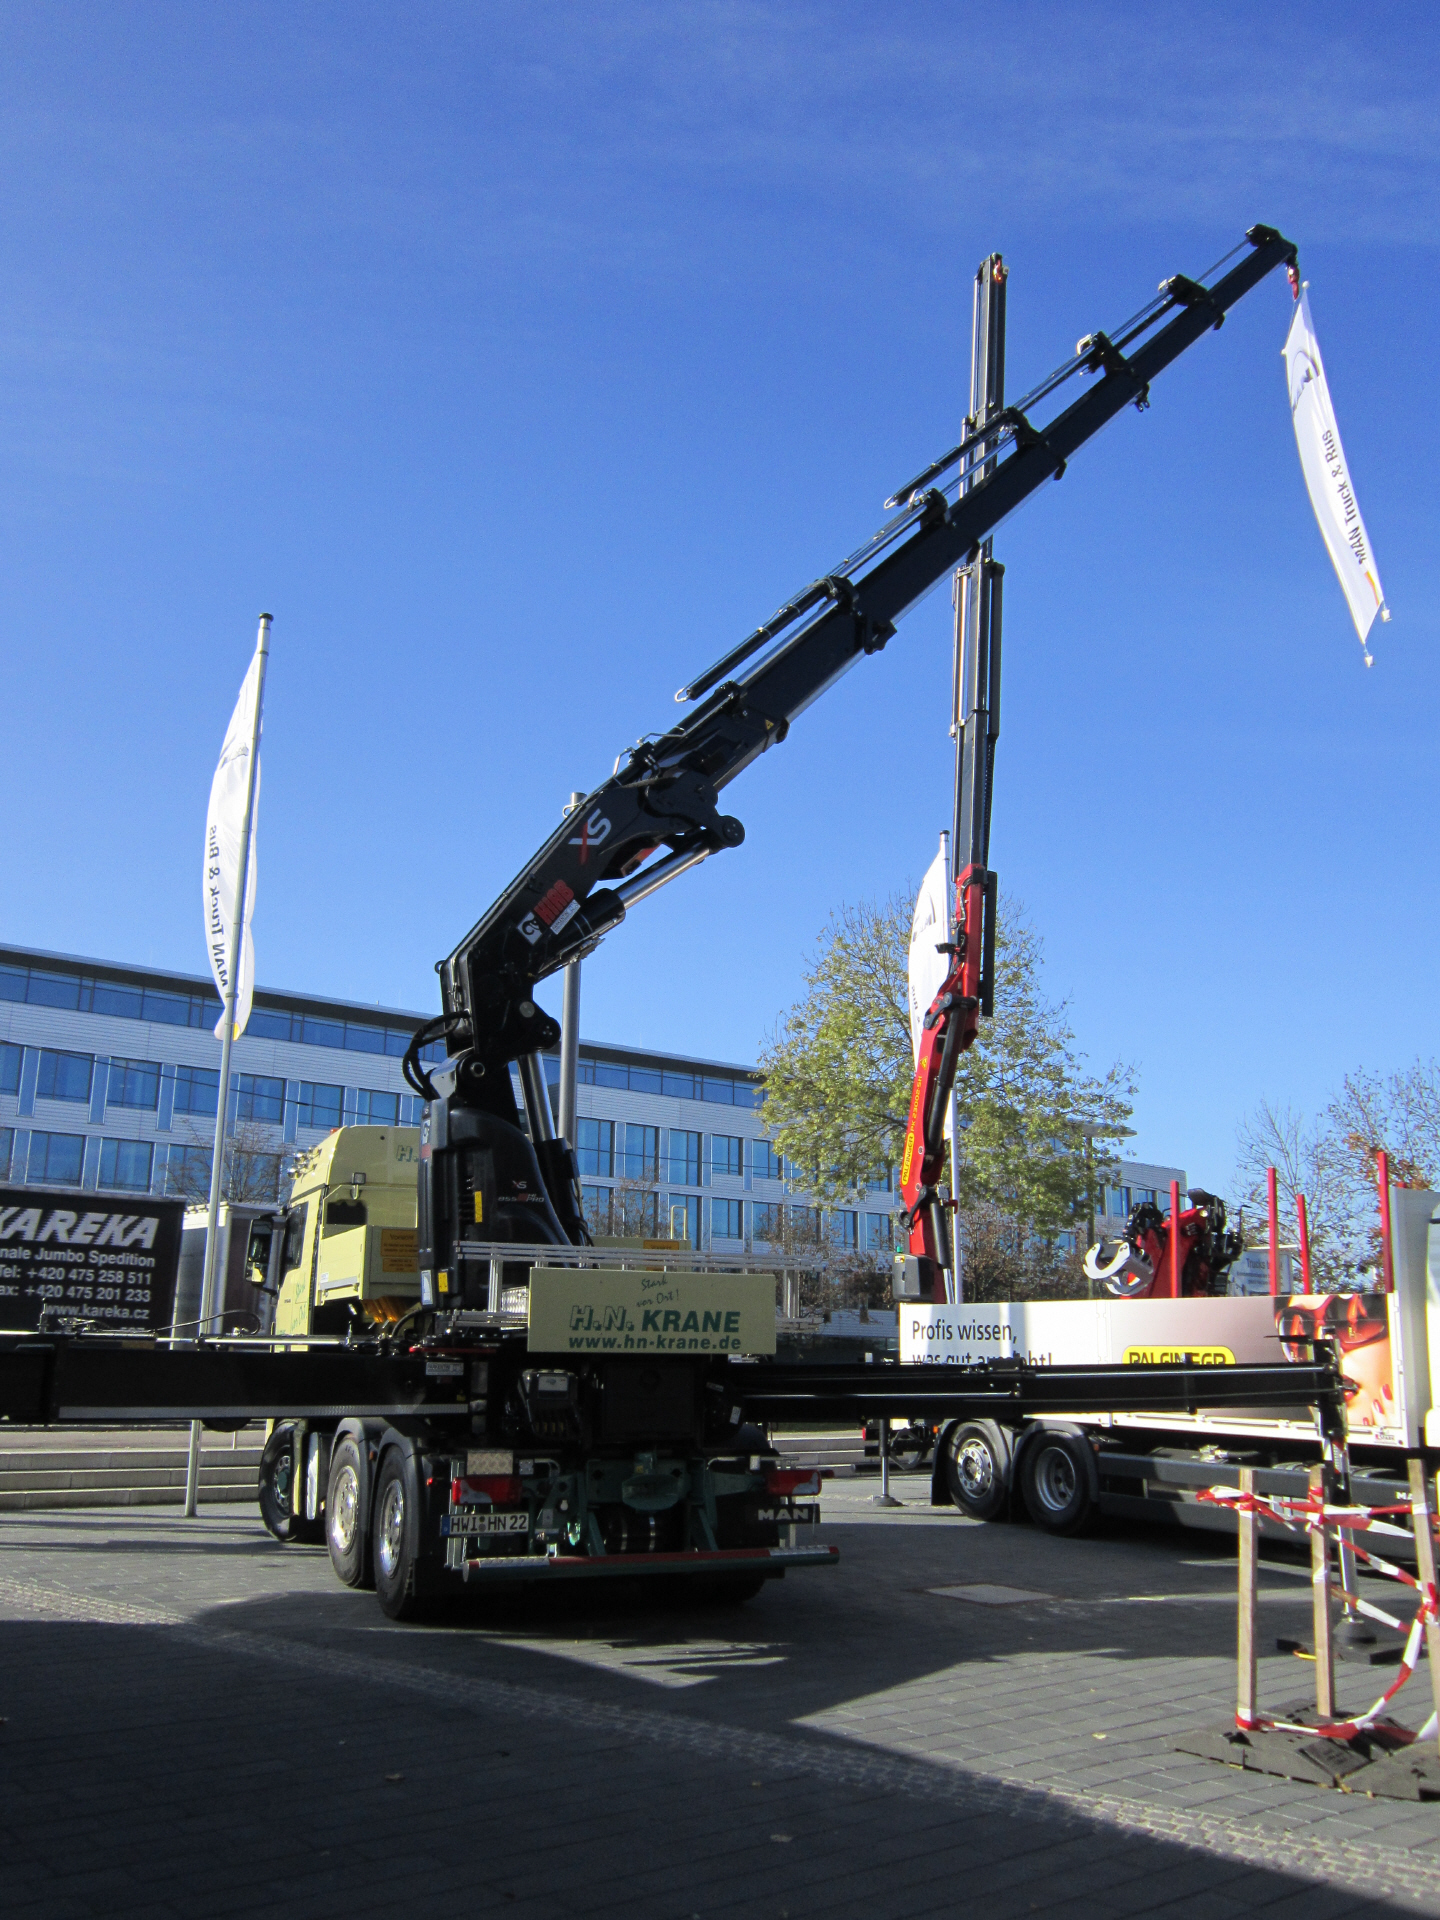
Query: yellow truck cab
{"x": 350, "y": 1246}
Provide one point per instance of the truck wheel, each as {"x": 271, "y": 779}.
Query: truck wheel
{"x": 276, "y": 1491}
{"x": 396, "y": 1536}
{"x": 1055, "y": 1484}
{"x": 977, "y": 1469}
{"x": 345, "y": 1532}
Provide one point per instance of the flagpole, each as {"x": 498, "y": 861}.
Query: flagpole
{"x": 222, "y": 1103}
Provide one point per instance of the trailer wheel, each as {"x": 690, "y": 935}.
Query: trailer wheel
{"x": 977, "y": 1469}
{"x": 346, "y": 1534}
{"x": 396, "y": 1533}
{"x": 1055, "y": 1483}
{"x": 276, "y": 1491}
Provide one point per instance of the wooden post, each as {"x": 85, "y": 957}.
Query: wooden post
{"x": 1425, "y": 1565}
{"x": 1320, "y": 1603}
{"x": 1249, "y": 1557}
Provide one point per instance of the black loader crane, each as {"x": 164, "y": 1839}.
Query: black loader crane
{"x": 551, "y": 1410}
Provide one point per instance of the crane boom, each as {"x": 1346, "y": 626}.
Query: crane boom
{"x": 658, "y": 813}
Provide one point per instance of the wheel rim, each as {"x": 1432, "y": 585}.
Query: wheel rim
{"x": 1055, "y": 1479}
{"x": 976, "y": 1467}
{"x": 344, "y": 1508}
{"x": 391, "y": 1538}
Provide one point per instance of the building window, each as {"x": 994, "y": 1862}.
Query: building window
{"x": 1145, "y": 1196}
{"x": 684, "y": 1158}
{"x": 259, "y": 1098}
{"x": 320, "y": 1105}
{"x": 843, "y": 1225}
{"x": 642, "y": 1153}
{"x": 188, "y": 1172}
{"x": 1118, "y": 1199}
{"x": 685, "y": 1218}
{"x": 879, "y": 1234}
{"x": 768, "y": 1217}
{"x": 725, "y": 1220}
{"x": 7, "y": 1147}
{"x": 125, "y": 1165}
{"x": 64, "y": 1076}
{"x": 196, "y": 1089}
{"x": 596, "y": 1202}
{"x": 678, "y": 1085}
{"x": 134, "y": 1083}
{"x": 595, "y": 1149}
{"x": 56, "y": 1159}
{"x": 10, "y": 1059}
{"x": 727, "y": 1154}
{"x": 880, "y": 1182}
{"x": 766, "y": 1161}
{"x": 377, "y": 1109}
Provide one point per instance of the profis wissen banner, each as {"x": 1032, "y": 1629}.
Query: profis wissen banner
{"x": 224, "y": 830}
{"x": 1327, "y": 476}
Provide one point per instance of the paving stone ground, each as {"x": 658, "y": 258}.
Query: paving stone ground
{"x": 199, "y": 1722}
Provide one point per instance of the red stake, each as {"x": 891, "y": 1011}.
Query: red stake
{"x": 1382, "y": 1169}
{"x": 1274, "y": 1229}
{"x": 1174, "y": 1239}
{"x": 1304, "y": 1219}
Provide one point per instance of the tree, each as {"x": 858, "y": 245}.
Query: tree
{"x": 839, "y": 1069}
{"x": 1334, "y": 1162}
{"x": 254, "y": 1169}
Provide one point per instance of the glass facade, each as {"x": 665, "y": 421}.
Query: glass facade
{"x": 768, "y": 1220}
{"x": 196, "y": 1089}
{"x": 766, "y": 1161}
{"x": 56, "y": 1159}
{"x": 727, "y": 1155}
{"x": 377, "y": 1109}
{"x": 64, "y": 1076}
{"x": 722, "y": 1089}
{"x": 595, "y": 1148}
{"x": 125, "y": 1164}
{"x": 320, "y": 1105}
{"x": 259, "y": 1098}
{"x": 726, "y": 1221}
{"x": 684, "y": 1158}
{"x": 10, "y": 1059}
{"x": 86, "y": 993}
{"x": 134, "y": 1083}
{"x": 641, "y": 1158}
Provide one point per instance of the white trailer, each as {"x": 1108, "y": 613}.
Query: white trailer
{"x": 1063, "y": 1472}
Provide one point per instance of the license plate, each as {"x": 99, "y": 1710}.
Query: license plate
{"x": 481, "y": 1520}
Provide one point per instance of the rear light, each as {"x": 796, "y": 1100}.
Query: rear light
{"x": 500, "y": 1489}
{"x": 790, "y": 1481}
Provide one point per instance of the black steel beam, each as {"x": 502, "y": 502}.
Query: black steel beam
{"x": 1013, "y": 1390}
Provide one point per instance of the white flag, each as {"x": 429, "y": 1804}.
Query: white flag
{"x": 931, "y": 925}
{"x": 1327, "y": 477}
{"x": 224, "y": 828}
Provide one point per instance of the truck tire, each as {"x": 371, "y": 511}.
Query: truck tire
{"x": 346, "y": 1533}
{"x": 278, "y": 1467}
{"x": 1057, "y": 1483}
{"x": 978, "y": 1459}
{"x": 395, "y": 1531}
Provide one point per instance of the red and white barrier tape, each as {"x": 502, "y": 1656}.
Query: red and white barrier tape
{"x": 1311, "y": 1515}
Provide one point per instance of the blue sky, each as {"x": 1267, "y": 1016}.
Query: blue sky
{"x": 519, "y": 360}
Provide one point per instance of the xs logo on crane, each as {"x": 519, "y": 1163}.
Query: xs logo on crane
{"x": 594, "y": 830}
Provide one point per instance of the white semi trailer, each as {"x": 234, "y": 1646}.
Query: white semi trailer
{"x": 1063, "y": 1472}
